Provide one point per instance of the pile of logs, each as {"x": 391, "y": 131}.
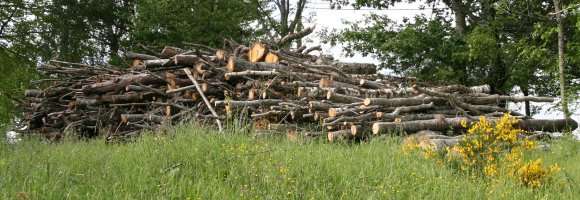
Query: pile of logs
{"x": 277, "y": 88}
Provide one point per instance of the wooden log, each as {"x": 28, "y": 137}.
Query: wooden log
{"x": 251, "y": 73}
{"x": 371, "y": 84}
{"x": 33, "y": 93}
{"x": 339, "y": 135}
{"x": 127, "y": 118}
{"x": 267, "y": 114}
{"x": 359, "y": 131}
{"x": 133, "y": 56}
{"x": 432, "y": 140}
{"x": 186, "y": 60}
{"x": 169, "y": 51}
{"x": 258, "y": 52}
{"x": 339, "y": 98}
{"x": 357, "y": 68}
{"x": 119, "y": 83}
{"x": 221, "y": 55}
{"x": 237, "y": 65}
{"x": 158, "y": 63}
{"x": 405, "y": 109}
{"x": 303, "y": 84}
{"x": 320, "y": 115}
{"x": 334, "y": 120}
{"x": 398, "y": 102}
{"x": 311, "y": 92}
{"x": 319, "y": 106}
{"x": 495, "y": 99}
{"x": 327, "y": 83}
{"x": 272, "y": 58}
{"x": 205, "y": 100}
{"x": 464, "y": 89}
{"x": 443, "y": 124}
{"x": 254, "y": 103}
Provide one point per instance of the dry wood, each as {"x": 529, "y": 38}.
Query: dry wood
{"x": 443, "y": 124}
{"x": 169, "y": 52}
{"x": 139, "y": 56}
{"x": 357, "y": 68}
{"x": 272, "y": 58}
{"x": 251, "y": 73}
{"x": 339, "y": 135}
{"x": 265, "y": 83}
{"x": 257, "y": 52}
{"x": 207, "y": 103}
{"x": 186, "y": 60}
{"x": 332, "y": 96}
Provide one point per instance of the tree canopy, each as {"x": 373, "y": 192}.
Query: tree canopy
{"x": 499, "y": 42}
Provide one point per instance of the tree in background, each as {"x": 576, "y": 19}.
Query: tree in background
{"x": 561, "y": 59}
{"x": 97, "y": 32}
{"x": 290, "y": 20}
{"x": 504, "y": 44}
{"x": 172, "y": 22}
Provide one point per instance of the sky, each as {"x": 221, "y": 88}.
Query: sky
{"x": 325, "y": 18}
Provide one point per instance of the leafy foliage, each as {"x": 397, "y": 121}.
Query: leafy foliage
{"x": 493, "y": 151}
{"x": 207, "y": 22}
{"x": 506, "y": 44}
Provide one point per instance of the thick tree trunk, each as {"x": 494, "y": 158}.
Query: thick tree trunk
{"x": 459, "y": 12}
{"x": 561, "y": 59}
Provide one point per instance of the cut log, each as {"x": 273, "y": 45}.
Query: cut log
{"x": 237, "y": 65}
{"x": 339, "y": 135}
{"x": 257, "y": 52}
{"x": 272, "y": 58}
{"x": 139, "y": 56}
{"x": 332, "y": 96}
{"x": 169, "y": 52}
{"x": 255, "y": 103}
{"x": 319, "y": 106}
{"x": 398, "y": 102}
{"x": 251, "y": 73}
{"x": 158, "y": 63}
{"x": 357, "y": 68}
{"x": 464, "y": 89}
{"x": 127, "y": 118}
{"x": 400, "y": 110}
{"x": 221, "y": 55}
{"x": 443, "y": 124}
{"x": 119, "y": 83}
{"x": 371, "y": 84}
{"x": 185, "y": 60}
{"x": 327, "y": 83}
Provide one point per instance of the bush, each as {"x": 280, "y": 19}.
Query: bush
{"x": 494, "y": 150}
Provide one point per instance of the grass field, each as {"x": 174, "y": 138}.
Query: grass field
{"x": 195, "y": 164}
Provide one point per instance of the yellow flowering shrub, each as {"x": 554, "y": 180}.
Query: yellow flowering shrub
{"x": 534, "y": 174}
{"x": 492, "y": 150}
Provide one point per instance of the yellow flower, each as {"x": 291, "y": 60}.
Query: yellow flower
{"x": 490, "y": 170}
{"x": 463, "y": 123}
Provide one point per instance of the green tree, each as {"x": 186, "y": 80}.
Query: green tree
{"x": 505, "y": 43}
{"x": 172, "y": 22}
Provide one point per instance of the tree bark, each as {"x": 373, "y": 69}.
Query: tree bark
{"x": 561, "y": 58}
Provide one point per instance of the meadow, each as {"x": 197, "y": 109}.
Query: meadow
{"x": 190, "y": 162}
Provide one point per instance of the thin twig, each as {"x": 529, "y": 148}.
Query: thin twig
{"x": 190, "y": 75}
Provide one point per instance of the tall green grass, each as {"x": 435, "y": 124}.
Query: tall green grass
{"x": 200, "y": 164}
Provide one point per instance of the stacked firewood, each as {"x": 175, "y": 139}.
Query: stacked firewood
{"x": 276, "y": 88}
